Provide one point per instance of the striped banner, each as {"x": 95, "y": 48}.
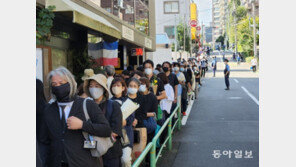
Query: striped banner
{"x": 104, "y": 53}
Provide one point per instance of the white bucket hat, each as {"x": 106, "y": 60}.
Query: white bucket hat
{"x": 99, "y": 78}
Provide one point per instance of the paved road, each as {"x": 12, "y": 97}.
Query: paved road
{"x": 220, "y": 120}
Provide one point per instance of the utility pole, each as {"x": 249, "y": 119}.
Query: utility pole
{"x": 184, "y": 33}
{"x": 134, "y": 12}
{"x": 202, "y": 32}
{"x": 254, "y": 28}
{"x": 235, "y": 31}
{"x": 175, "y": 34}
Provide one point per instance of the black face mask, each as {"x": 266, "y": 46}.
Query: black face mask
{"x": 62, "y": 92}
{"x": 165, "y": 69}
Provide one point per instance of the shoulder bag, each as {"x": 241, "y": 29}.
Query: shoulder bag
{"x": 102, "y": 143}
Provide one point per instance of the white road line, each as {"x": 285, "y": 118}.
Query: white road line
{"x": 235, "y": 98}
{"x": 252, "y": 97}
{"x": 236, "y": 80}
{"x": 184, "y": 119}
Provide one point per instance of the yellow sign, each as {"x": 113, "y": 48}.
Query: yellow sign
{"x": 193, "y": 16}
{"x": 193, "y": 13}
{"x": 193, "y": 32}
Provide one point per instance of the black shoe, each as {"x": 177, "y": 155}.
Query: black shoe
{"x": 226, "y": 88}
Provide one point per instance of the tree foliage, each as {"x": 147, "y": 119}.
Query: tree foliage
{"x": 180, "y": 38}
{"x": 244, "y": 29}
{"x": 44, "y": 23}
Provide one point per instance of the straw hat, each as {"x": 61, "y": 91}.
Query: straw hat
{"x": 99, "y": 78}
{"x": 87, "y": 73}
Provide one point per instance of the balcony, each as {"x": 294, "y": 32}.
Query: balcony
{"x": 133, "y": 12}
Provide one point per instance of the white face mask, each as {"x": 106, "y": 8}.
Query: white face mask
{"x": 116, "y": 90}
{"x": 176, "y": 68}
{"x": 181, "y": 69}
{"x": 96, "y": 92}
{"x": 142, "y": 88}
{"x": 132, "y": 91}
{"x": 148, "y": 71}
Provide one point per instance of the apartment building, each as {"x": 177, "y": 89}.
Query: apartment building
{"x": 220, "y": 14}
{"x": 170, "y": 13}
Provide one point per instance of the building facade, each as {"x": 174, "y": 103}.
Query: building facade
{"x": 208, "y": 34}
{"x": 77, "y": 23}
{"x": 169, "y": 14}
{"x": 220, "y": 14}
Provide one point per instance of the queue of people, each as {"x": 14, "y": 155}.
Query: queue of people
{"x": 95, "y": 108}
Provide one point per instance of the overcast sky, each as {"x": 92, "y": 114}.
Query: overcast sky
{"x": 204, "y": 11}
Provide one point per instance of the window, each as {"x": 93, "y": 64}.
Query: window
{"x": 171, "y": 7}
{"x": 170, "y": 31}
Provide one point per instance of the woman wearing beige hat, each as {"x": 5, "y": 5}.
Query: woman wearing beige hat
{"x": 95, "y": 86}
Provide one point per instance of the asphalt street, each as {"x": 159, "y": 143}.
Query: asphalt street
{"x": 221, "y": 122}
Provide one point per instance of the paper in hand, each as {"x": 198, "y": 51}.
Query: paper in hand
{"x": 128, "y": 107}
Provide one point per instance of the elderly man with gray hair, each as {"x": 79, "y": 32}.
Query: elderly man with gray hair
{"x": 110, "y": 71}
{"x": 64, "y": 122}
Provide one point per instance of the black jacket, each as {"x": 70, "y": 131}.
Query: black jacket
{"x": 69, "y": 146}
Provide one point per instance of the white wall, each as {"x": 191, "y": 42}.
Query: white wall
{"x": 163, "y": 20}
{"x": 177, "y": 55}
{"x": 160, "y": 55}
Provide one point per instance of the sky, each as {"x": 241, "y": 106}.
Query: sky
{"x": 204, "y": 11}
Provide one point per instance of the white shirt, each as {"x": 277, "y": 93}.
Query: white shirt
{"x": 166, "y": 104}
{"x": 66, "y": 110}
{"x": 254, "y": 62}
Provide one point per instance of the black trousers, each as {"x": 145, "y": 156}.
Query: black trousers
{"x": 203, "y": 71}
{"x": 116, "y": 162}
{"x": 183, "y": 105}
{"x": 226, "y": 80}
{"x": 254, "y": 68}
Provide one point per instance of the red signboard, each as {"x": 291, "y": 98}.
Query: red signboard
{"x": 198, "y": 28}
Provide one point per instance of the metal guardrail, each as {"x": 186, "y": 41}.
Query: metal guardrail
{"x": 152, "y": 145}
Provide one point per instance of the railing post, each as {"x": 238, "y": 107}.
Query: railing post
{"x": 153, "y": 154}
{"x": 170, "y": 133}
{"x": 179, "y": 117}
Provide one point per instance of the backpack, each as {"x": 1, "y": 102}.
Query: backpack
{"x": 109, "y": 109}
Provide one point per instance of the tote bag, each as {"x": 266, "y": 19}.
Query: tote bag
{"x": 102, "y": 143}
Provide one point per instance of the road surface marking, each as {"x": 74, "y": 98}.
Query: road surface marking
{"x": 235, "y": 98}
{"x": 184, "y": 119}
{"x": 236, "y": 80}
{"x": 252, "y": 97}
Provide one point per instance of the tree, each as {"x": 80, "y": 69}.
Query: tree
{"x": 221, "y": 39}
{"x": 180, "y": 38}
{"x": 241, "y": 13}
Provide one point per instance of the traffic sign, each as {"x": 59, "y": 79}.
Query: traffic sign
{"x": 193, "y": 23}
{"x": 198, "y": 28}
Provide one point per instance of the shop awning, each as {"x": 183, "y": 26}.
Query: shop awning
{"x": 85, "y": 17}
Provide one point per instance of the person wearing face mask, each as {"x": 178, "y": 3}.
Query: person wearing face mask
{"x": 173, "y": 81}
{"x": 181, "y": 80}
{"x": 119, "y": 89}
{"x": 64, "y": 122}
{"x": 140, "y": 113}
{"x": 151, "y": 104}
{"x": 96, "y": 87}
{"x": 156, "y": 85}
